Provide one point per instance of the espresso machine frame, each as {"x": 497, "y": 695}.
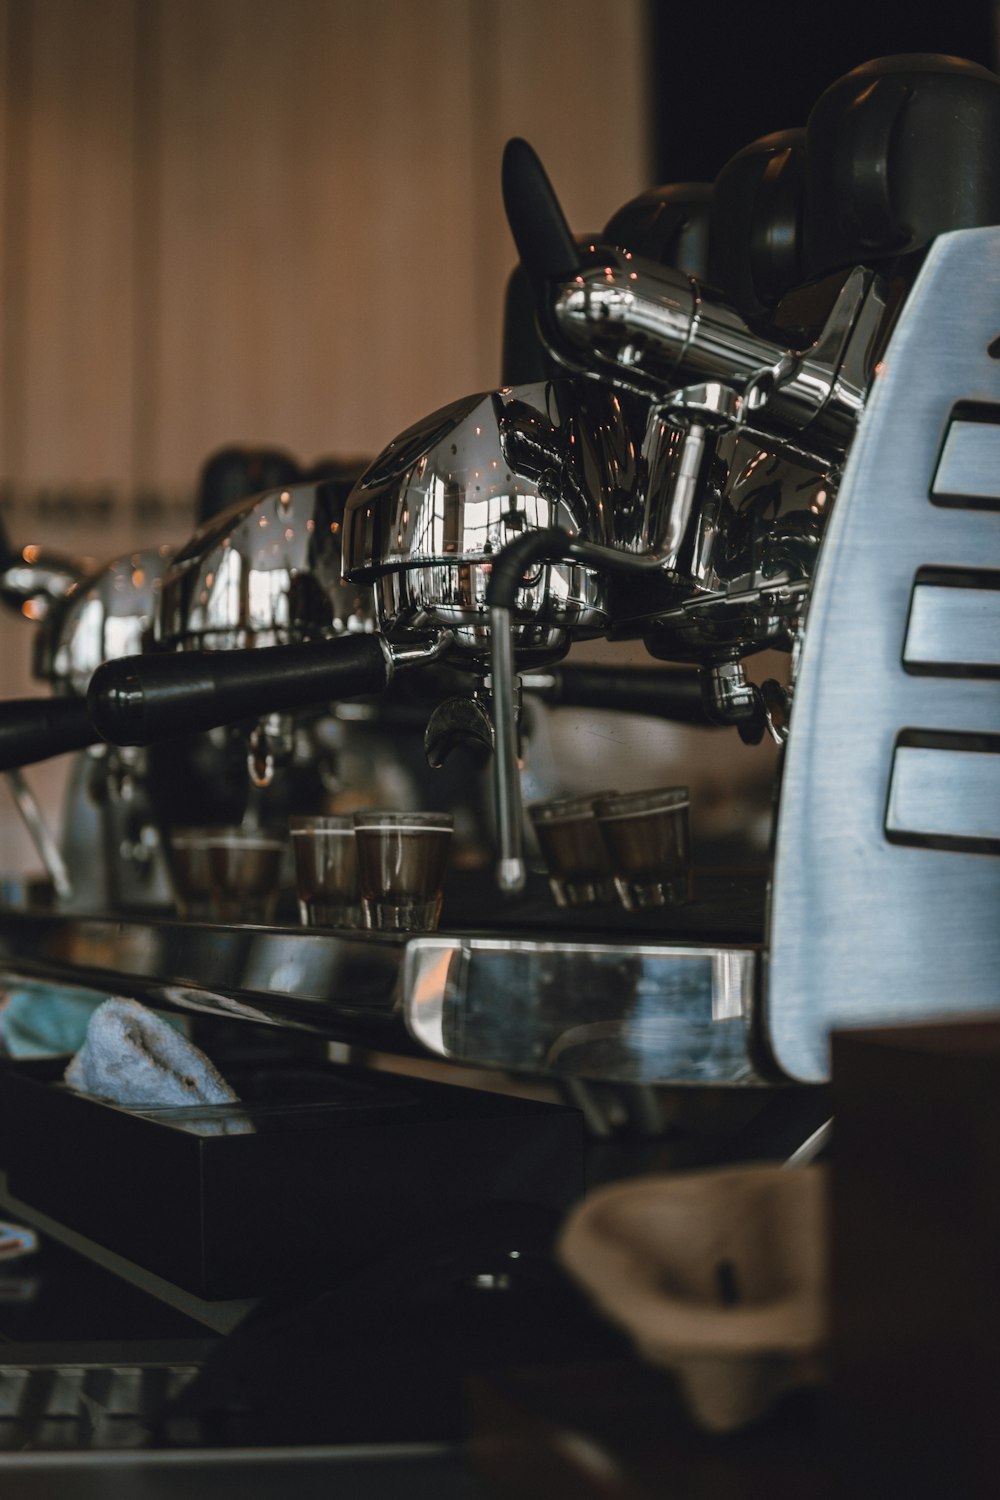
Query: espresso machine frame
{"x": 883, "y": 883}
{"x": 886, "y": 880}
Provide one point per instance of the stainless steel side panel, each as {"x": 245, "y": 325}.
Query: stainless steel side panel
{"x": 879, "y": 912}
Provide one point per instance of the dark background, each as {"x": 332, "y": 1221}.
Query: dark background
{"x": 725, "y": 73}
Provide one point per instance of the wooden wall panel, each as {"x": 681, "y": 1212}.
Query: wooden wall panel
{"x": 237, "y": 220}
{"x": 77, "y": 376}
{"x": 241, "y": 220}
{"x": 333, "y": 246}
{"x": 4, "y": 223}
{"x": 572, "y": 79}
{"x": 13, "y": 115}
{"x": 316, "y": 254}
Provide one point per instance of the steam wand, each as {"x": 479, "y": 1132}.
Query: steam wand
{"x": 727, "y": 696}
{"x": 508, "y": 567}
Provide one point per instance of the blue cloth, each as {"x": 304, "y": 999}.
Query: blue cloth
{"x": 40, "y": 1020}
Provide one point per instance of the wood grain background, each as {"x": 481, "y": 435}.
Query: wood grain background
{"x": 237, "y": 219}
{"x": 245, "y": 220}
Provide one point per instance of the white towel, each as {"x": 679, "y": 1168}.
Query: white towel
{"x": 132, "y": 1056}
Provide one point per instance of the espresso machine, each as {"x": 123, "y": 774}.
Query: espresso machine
{"x": 108, "y": 850}
{"x": 792, "y": 452}
{"x": 762, "y": 420}
{"x": 84, "y": 614}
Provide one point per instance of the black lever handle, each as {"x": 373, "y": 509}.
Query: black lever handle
{"x": 138, "y": 700}
{"x": 663, "y": 692}
{"x": 34, "y": 729}
{"x": 547, "y": 249}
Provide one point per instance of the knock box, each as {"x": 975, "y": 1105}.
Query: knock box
{"x": 312, "y": 1171}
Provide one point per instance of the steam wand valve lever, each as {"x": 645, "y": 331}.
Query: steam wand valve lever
{"x": 507, "y": 572}
{"x": 544, "y": 242}
{"x": 653, "y": 329}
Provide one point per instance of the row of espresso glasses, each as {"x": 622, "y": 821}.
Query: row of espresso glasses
{"x": 371, "y": 869}
{"x": 632, "y": 848}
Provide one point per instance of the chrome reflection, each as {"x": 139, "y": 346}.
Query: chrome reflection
{"x": 678, "y": 1013}
{"x": 427, "y": 517}
{"x": 265, "y": 572}
{"x": 737, "y": 561}
{"x": 100, "y": 618}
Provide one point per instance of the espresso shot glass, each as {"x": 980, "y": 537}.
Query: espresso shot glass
{"x": 189, "y": 874}
{"x": 649, "y": 847}
{"x": 402, "y": 860}
{"x": 326, "y": 871}
{"x": 575, "y": 854}
{"x": 244, "y": 871}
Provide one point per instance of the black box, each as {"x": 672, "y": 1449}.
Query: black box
{"x": 314, "y": 1171}
{"x": 915, "y": 1308}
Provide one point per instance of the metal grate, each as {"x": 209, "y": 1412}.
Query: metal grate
{"x": 88, "y": 1406}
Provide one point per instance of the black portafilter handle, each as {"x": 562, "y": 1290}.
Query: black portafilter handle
{"x": 547, "y": 249}
{"x": 34, "y": 729}
{"x": 139, "y": 700}
{"x": 672, "y": 693}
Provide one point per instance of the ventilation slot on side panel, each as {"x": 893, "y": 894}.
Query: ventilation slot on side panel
{"x": 944, "y": 792}
{"x": 968, "y": 469}
{"x": 953, "y": 628}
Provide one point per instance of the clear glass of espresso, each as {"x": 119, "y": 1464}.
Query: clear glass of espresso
{"x": 326, "y": 871}
{"x": 244, "y": 871}
{"x": 189, "y": 874}
{"x": 574, "y": 852}
{"x": 402, "y": 859}
{"x": 648, "y": 843}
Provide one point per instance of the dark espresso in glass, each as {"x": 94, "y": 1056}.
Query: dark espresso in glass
{"x": 648, "y": 842}
{"x": 326, "y": 871}
{"x": 574, "y": 852}
{"x": 191, "y": 877}
{"x": 402, "y": 860}
{"x": 226, "y": 874}
{"x": 244, "y": 873}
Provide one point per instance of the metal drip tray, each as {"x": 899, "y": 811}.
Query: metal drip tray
{"x": 341, "y": 985}
{"x": 621, "y": 1001}
{"x": 632, "y": 1013}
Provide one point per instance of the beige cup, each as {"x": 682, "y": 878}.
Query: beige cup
{"x": 720, "y": 1276}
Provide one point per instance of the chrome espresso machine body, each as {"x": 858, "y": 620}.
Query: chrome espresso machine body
{"x": 799, "y": 453}
{"x": 106, "y": 851}
{"x": 110, "y": 851}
